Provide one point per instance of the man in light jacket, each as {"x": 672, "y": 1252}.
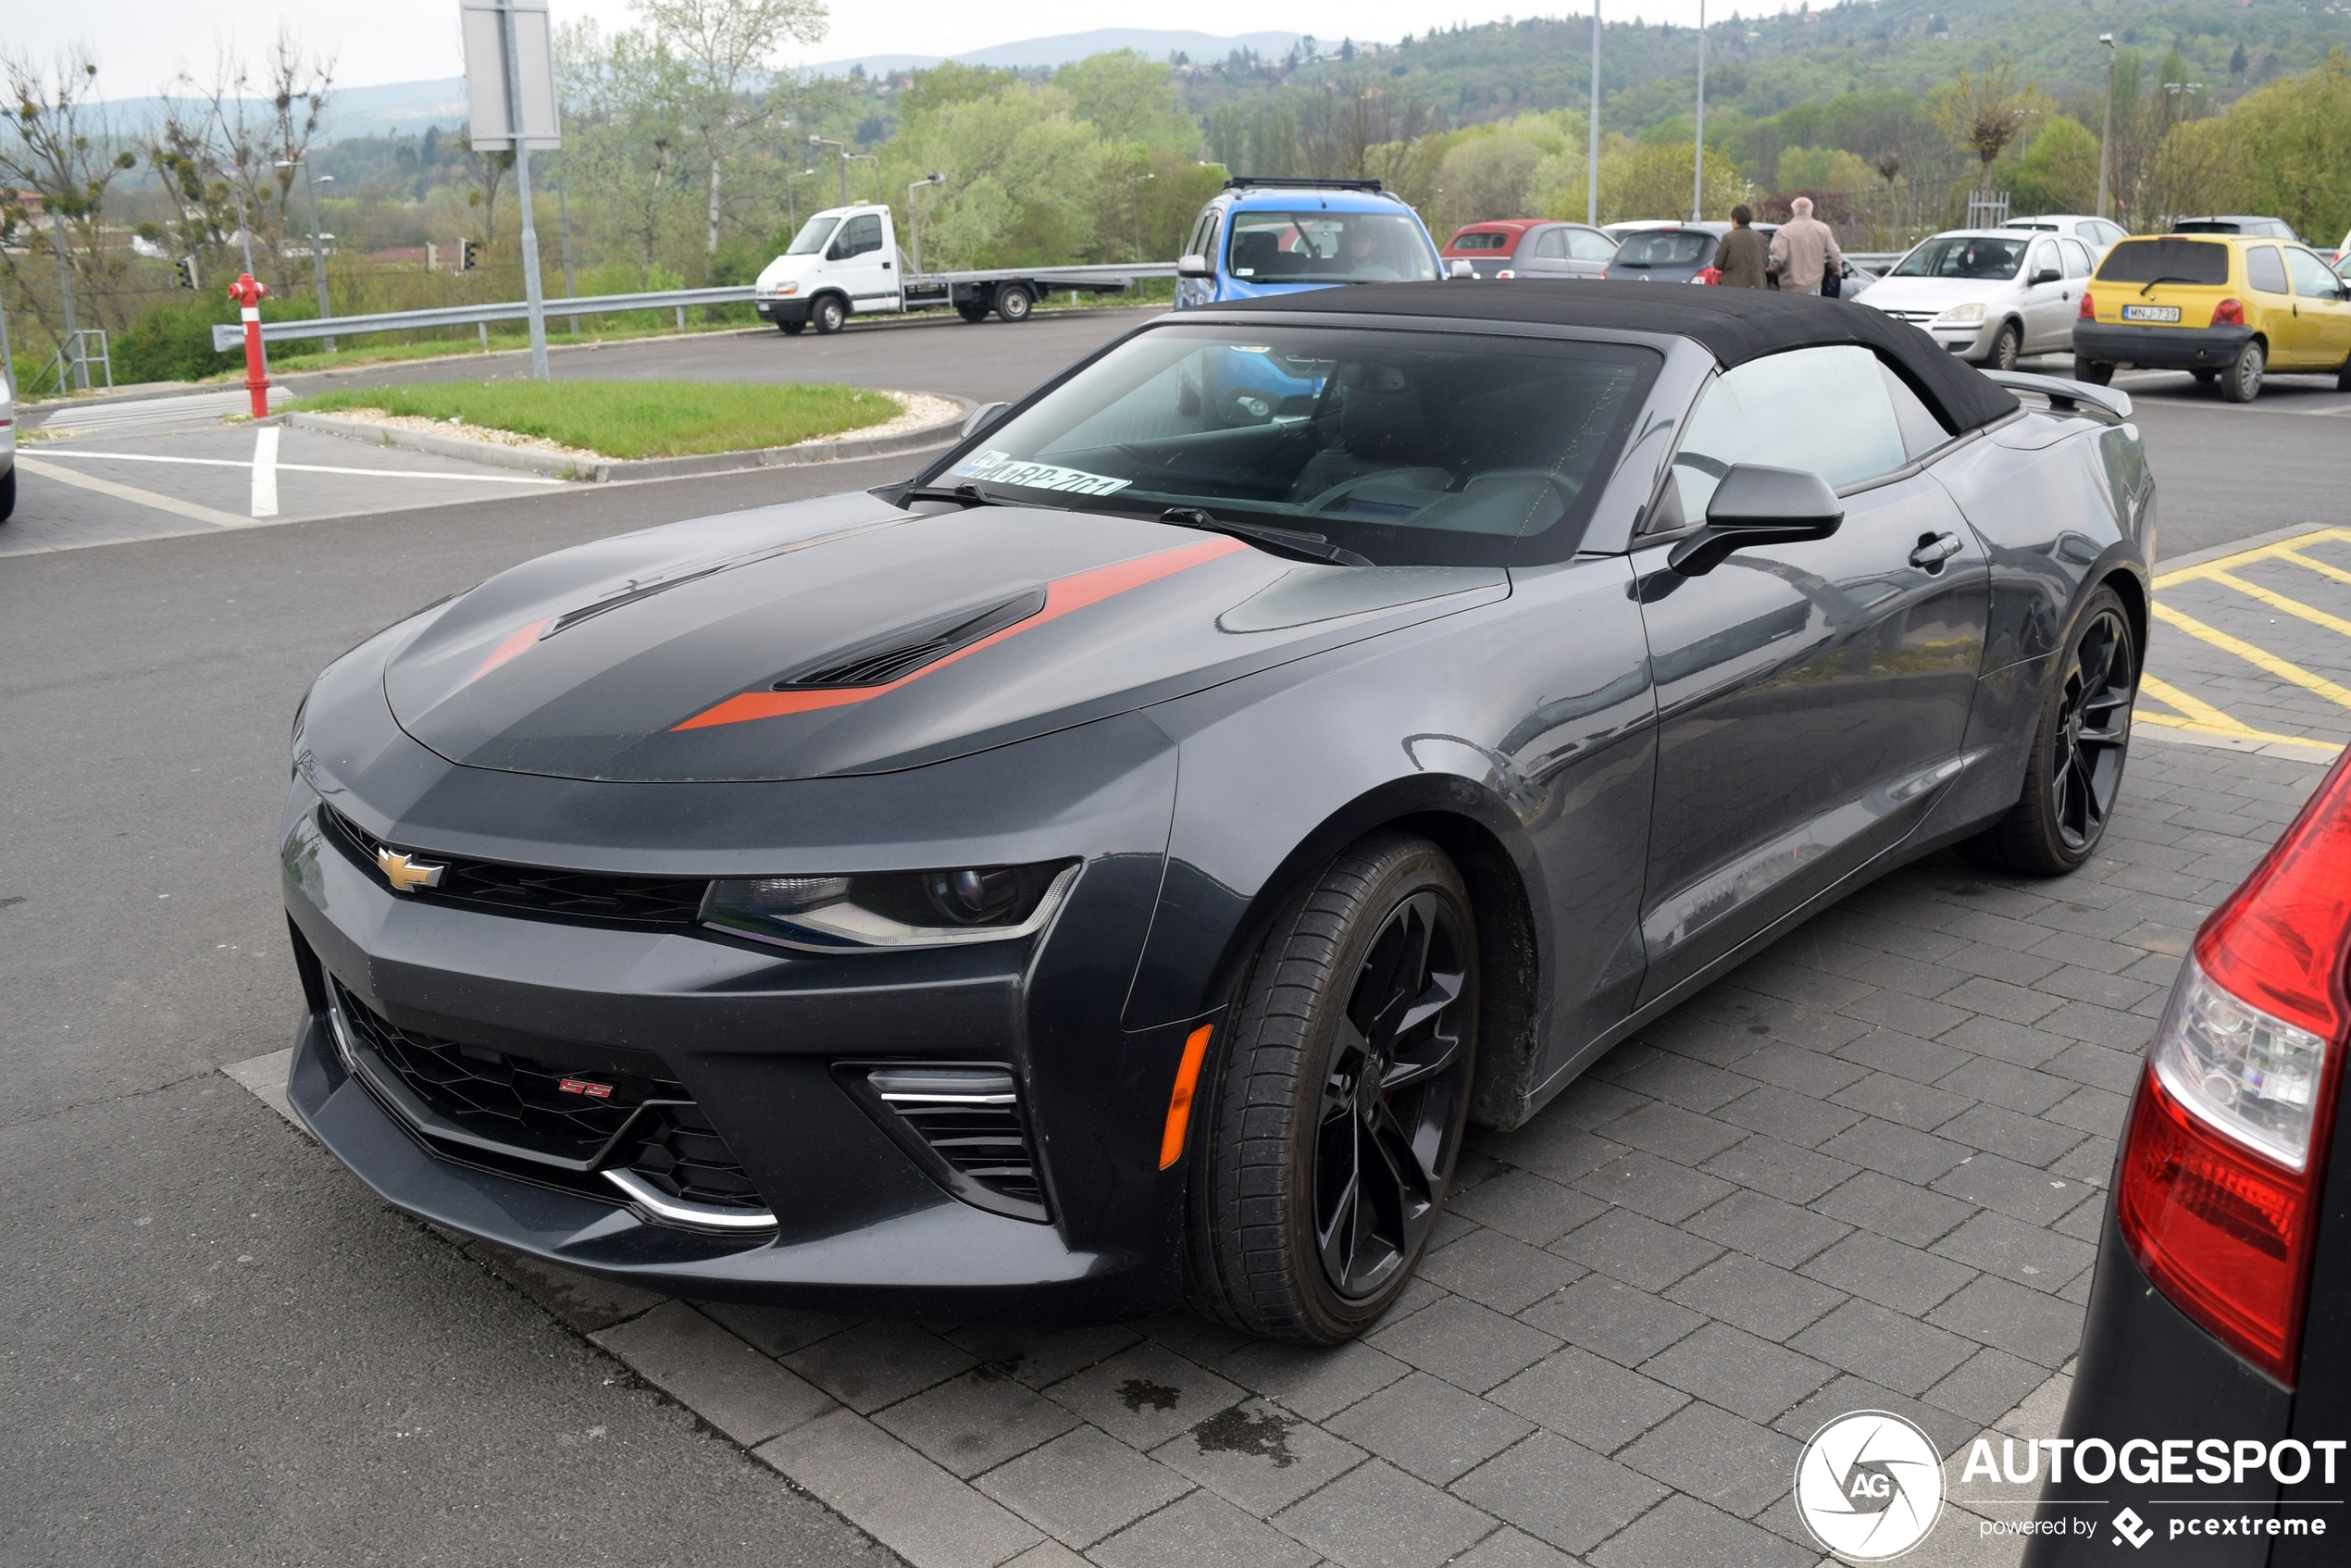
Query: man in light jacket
{"x": 1804, "y": 250}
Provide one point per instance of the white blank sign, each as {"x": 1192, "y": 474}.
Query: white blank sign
{"x": 486, "y": 77}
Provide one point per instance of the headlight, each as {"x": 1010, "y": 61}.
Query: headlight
{"x": 1962, "y": 315}
{"x": 898, "y": 909}
{"x": 780, "y": 290}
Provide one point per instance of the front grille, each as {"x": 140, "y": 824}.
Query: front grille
{"x": 964, "y": 1122}
{"x": 527, "y": 889}
{"x": 560, "y": 1124}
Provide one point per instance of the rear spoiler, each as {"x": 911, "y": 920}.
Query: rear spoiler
{"x": 2062, "y": 394}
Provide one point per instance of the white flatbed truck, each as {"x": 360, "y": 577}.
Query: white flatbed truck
{"x": 845, "y": 262}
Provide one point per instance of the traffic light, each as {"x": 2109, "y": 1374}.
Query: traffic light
{"x": 467, "y": 253}
{"x": 186, "y": 265}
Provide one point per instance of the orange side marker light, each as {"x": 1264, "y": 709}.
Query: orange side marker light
{"x": 1179, "y": 1104}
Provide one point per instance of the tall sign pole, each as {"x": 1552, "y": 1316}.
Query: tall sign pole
{"x": 1592, "y": 180}
{"x": 1698, "y": 170}
{"x": 510, "y": 88}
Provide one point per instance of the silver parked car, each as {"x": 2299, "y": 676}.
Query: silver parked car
{"x": 1989, "y": 295}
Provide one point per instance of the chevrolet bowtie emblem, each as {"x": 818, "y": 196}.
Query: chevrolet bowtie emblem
{"x": 404, "y": 875}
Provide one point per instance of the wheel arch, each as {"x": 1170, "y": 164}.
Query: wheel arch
{"x": 2134, "y": 595}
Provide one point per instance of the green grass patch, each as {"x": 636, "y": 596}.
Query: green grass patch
{"x": 631, "y": 420}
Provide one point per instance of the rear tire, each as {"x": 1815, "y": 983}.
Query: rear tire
{"x": 828, "y": 315}
{"x": 1013, "y": 302}
{"x": 1325, "y": 1141}
{"x": 2006, "y": 346}
{"x": 2075, "y": 773}
{"x": 2243, "y": 382}
{"x": 9, "y": 493}
{"x": 2093, "y": 373}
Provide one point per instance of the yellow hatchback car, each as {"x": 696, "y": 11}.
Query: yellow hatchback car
{"x": 2226, "y": 307}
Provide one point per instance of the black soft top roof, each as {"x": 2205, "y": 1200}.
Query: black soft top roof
{"x": 1735, "y": 325}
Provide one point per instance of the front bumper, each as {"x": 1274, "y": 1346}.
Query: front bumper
{"x": 774, "y": 1048}
{"x": 2160, "y": 348}
{"x": 1968, "y": 342}
{"x": 780, "y": 308}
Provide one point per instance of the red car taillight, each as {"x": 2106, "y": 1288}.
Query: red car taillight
{"x": 2089, "y": 311}
{"x": 1711, "y": 276}
{"x": 2223, "y": 1165}
{"x": 2228, "y": 313}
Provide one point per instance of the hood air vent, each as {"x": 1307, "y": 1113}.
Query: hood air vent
{"x": 897, "y": 654}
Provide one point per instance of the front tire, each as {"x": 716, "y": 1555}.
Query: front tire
{"x": 9, "y": 493}
{"x": 1336, "y": 1119}
{"x": 2093, "y": 373}
{"x": 1013, "y": 302}
{"x": 2075, "y": 774}
{"x": 975, "y": 313}
{"x": 2006, "y": 345}
{"x": 791, "y": 329}
{"x": 2242, "y": 383}
{"x": 828, "y": 315}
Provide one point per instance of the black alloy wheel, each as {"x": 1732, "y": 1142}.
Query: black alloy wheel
{"x": 791, "y": 329}
{"x": 2075, "y": 772}
{"x": 2093, "y": 373}
{"x": 1013, "y": 302}
{"x": 2242, "y": 381}
{"x": 2006, "y": 346}
{"x": 828, "y": 314}
{"x": 1323, "y": 1150}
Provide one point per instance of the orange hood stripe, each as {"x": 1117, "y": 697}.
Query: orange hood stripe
{"x": 1061, "y": 596}
{"x": 517, "y": 642}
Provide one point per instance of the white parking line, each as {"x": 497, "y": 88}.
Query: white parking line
{"x": 300, "y": 468}
{"x": 264, "y": 471}
{"x": 171, "y": 503}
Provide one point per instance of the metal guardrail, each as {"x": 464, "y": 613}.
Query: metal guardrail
{"x": 227, "y": 336}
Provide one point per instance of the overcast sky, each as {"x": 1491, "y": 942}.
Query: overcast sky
{"x": 141, "y": 44}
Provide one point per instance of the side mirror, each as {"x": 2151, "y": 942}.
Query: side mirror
{"x": 981, "y": 417}
{"x": 1193, "y": 265}
{"x": 1462, "y": 267}
{"x": 1759, "y": 505}
{"x": 2047, "y": 275}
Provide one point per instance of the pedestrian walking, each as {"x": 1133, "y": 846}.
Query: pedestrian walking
{"x": 1805, "y": 250}
{"x": 1743, "y": 256}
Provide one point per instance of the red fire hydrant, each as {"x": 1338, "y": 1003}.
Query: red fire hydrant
{"x": 249, "y": 295}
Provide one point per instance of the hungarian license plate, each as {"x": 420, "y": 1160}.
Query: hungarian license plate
{"x": 2150, "y": 313}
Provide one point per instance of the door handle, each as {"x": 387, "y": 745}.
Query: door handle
{"x": 1933, "y": 549}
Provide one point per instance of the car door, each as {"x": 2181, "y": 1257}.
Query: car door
{"x": 2079, "y": 263}
{"x": 2049, "y": 308}
{"x": 1542, "y": 254}
{"x": 860, "y": 266}
{"x": 2323, "y": 317}
{"x": 2271, "y": 306}
{"x": 1811, "y": 697}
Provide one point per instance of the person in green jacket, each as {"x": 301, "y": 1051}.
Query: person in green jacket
{"x": 1743, "y": 256}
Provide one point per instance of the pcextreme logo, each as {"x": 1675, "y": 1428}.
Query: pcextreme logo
{"x": 1868, "y": 1485}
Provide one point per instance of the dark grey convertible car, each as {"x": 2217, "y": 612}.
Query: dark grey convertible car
{"x": 1113, "y": 869}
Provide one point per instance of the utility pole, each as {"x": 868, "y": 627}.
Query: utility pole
{"x": 1135, "y": 195}
{"x": 317, "y": 253}
{"x": 1592, "y": 179}
{"x": 537, "y": 305}
{"x": 1698, "y": 171}
{"x": 2105, "y": 141}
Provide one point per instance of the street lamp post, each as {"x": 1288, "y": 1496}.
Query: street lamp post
{"x": 2105, "y": 141}
{"x": 317, "y": 252}
{"x": 1135, "y": 196}
{"x": 914, "y": 214}
{"x": 848, "y": 157}
{"x": 843, "y": 148}
{"x": 791, "y": 203}
{"x": 1698, "y": 169}
{"x": 1592, "y": 175}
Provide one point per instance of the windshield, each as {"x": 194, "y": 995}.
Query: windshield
{"x": 1964, "y": 256}
{"x": 1411, "y": 448}
{"x": 1329, "y": 247}
{"x": 1666, "y": 247}
{"x": 2180, "y": 261}
{"x": 812, "y": 236}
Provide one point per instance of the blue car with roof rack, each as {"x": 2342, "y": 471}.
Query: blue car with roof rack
{"x": 1266, "y": 236}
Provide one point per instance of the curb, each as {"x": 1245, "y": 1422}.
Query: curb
{"x": 606, "y": 471}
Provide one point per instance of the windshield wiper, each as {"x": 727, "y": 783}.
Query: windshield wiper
{"x": 1281, "y": 541}
{"x": 964, "y": 495}
{"x": 2153, "y": 282}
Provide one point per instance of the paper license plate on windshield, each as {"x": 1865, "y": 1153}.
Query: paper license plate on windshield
{"x": 2150, "y": 313}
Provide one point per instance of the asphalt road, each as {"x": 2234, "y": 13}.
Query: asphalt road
{"x": 213, "y": 1347}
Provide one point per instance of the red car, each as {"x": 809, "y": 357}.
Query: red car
{"x": 1530, "y": 247}
{"x": 2219, "y": 1320}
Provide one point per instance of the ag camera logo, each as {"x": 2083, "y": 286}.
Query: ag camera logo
{"x": 1868, "y": 1485}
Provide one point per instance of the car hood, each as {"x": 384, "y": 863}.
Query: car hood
{"x": 1933, "y": 294}
{"x": 785, "y": 269}
{"x": 846, "y": 636}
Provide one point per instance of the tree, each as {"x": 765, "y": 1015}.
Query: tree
{"x": 227, "y": 150}
{"x": 2288, "y": 146}
{"x": 723, "y": 47}
{"x": 2060, "y": 171}
{"x": 1349, "y": 118}
{"x": 1985, "y": 114}
{"x": 61, "y": 149}
{"x": 1486, "y": 176}
{"x": 1130, "y": 99}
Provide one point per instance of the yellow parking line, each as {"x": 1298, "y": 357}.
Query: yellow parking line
{"x": 2280, "y": 602}
{"x": 2321, "y": 567}
{"x": 2245, "y": 557}
{"x": 2262, "y": 658}
{"x": 2230, "y": 732}
{"x": 2196, "y": 709}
